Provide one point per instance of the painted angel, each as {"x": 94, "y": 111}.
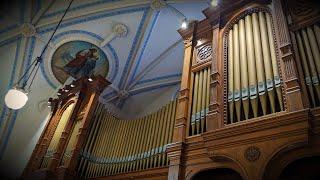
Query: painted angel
{"x": 83, "y": 64}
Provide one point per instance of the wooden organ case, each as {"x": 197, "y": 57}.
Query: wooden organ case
{"x": 57, "y": 152}
{"x": 248, "y": 105}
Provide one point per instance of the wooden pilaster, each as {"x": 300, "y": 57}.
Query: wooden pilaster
{"x": 176, "y": 149}
{"x": 216, "y": 91}
{"x": 288, "y": 66}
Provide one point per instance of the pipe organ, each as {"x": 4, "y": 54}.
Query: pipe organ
{"x": 119, "y": 146}
{"x": 248, "y": 101}
{"x": 254, "y": 83}
{"x": 308, "y": 42}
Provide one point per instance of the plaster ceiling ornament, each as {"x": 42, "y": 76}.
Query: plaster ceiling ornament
{"x": 157, "y": 4}
{"x": 252, "y": 153}
{"x": 120, "y": 30}
{"x": 28, "y": 30}
{"x": 123, "y": 94}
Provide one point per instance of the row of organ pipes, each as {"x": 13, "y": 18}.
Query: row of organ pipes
{"x": 199, "y": 106}
{"x": 254, "y": 83}
{"x": 117, "y": 146}
{"x": 308, "y": 42}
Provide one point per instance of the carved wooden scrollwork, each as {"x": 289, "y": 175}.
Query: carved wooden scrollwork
{"x": 204, "y": 53}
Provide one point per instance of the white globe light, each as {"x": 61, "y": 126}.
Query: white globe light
{"x": 15, "y": 98}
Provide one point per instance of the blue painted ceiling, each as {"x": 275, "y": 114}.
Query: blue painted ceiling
{"x": 145, "y": 65}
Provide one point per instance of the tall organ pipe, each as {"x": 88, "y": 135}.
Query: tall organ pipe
{"x": 230, "y": 76}
{"x": 251, "y": 66}
{"x": 244, "y": 70}
{"x": 236, "y": 72}
{"x": 259, "y": 63}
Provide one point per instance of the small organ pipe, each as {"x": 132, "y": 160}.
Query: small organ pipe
{"x": 203, "y": 101}
{"x": 198, "y": 114}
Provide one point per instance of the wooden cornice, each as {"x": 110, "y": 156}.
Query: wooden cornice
{"x": 188, "y": 32}
{"x": 278, "y": 125}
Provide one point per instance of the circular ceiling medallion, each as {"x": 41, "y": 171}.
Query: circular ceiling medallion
{"x": 252, "y": 153}
{"x": 78, "y": 59}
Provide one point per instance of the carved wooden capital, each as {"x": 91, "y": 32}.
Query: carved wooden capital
{"x": 187, "y": 42}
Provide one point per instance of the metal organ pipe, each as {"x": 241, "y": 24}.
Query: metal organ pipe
{"x": 253, "y": 93}
{"x": 236, "y": 72}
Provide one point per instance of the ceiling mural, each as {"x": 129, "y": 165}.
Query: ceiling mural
{"x": 77, "y": 59}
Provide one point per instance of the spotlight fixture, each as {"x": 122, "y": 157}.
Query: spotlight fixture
{"x": 90, "y": 79}
{"x": 72, "y": 85}
{"x": 17, "y": 97}
{"x": 184, "y": 24}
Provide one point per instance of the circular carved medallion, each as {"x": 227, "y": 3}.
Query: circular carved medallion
{"x": 252, "y": 153}
{"x": 204, "y": 53}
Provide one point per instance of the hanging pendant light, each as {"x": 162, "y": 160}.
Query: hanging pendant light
{"x": 17, "y": 97}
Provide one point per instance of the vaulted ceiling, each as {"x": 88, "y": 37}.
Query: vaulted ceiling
{"x": 139, "y": 37}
